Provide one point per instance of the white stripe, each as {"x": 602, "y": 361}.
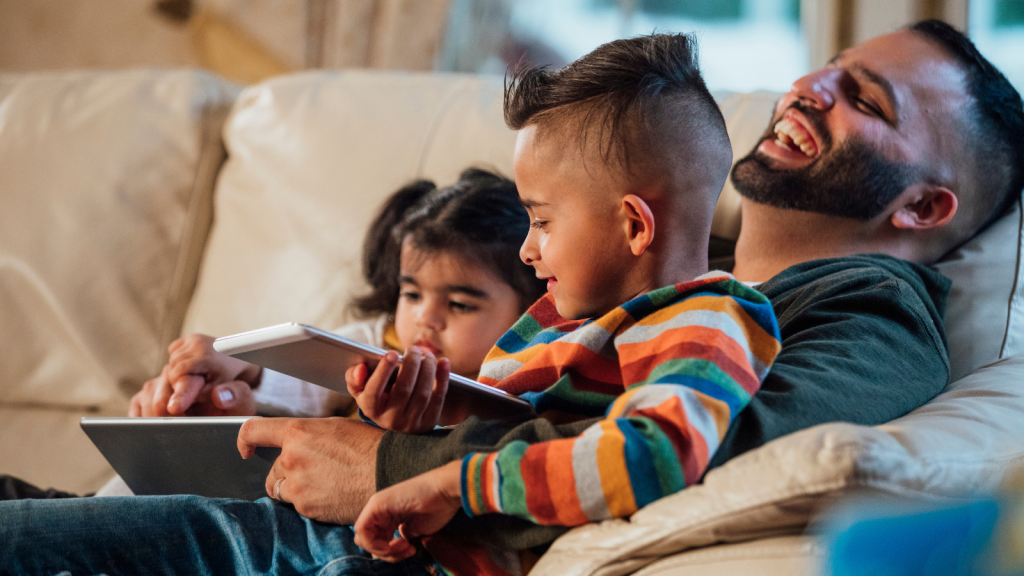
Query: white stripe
{"x": 496, "y": 485}
{"x": 707, "y": 318}
{"x": 700, "y": 419}
{"x": 592, "y": 337}
{"x": 588, "y": 475}
{"x": 654, "y": 395}
{"x": 500, "y": 369}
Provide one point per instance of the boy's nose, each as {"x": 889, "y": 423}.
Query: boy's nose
{"x": 527, "y": 252}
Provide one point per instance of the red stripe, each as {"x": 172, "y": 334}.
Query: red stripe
{"x": 533, "y": 468}
{"x": 689, "y": 444}
{"x": 638, "y": 360}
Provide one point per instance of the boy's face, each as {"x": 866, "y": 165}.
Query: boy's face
{"x": 577, "y": 239}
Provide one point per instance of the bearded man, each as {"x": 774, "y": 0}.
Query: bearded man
{"x": 900, "y": 150}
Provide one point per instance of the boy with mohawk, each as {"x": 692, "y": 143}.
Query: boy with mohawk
{"x": 619, "y": 161}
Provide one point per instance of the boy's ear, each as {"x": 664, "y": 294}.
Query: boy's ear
{"x": 639, "y": 223}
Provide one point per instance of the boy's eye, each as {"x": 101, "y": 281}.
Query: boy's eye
{"x": 539, "y": 224}
{"x": 410, "y": 295}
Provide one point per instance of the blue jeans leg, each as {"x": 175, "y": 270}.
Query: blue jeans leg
{"x": 177, "y": 535}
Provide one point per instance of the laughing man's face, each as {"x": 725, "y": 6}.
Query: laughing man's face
{"x": 847, "y": 140}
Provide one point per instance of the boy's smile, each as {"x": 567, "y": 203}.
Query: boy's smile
{"x": 578, "y": 232}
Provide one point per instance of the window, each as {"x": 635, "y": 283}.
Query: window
{"x": 744, "y": 44}
{"x": 997, "y": 29}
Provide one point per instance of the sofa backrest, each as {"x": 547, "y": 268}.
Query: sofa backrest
{"x": 310, "y": 159}
{"x": 312, "y": 156}
{"x": 106, "y": 181}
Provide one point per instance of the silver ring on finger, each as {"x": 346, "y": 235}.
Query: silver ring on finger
{"x": 277, "y": 492}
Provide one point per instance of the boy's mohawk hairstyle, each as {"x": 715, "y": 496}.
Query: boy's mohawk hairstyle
{"x": 621, "y": 81}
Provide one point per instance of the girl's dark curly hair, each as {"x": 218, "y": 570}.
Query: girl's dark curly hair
{"x": 478, "y": 217}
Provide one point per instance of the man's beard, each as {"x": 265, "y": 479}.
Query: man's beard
{"x": 851, "y": 181}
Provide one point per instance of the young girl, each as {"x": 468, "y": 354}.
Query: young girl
{"x": 446, "y": 282}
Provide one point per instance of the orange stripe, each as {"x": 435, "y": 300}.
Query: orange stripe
{"x": 485, "y": 483}
{"x": 562, "y": 484}
{"x": 471, "y": 474}
{"x": 611, "y": 465}
{"x": 762, "y": 344}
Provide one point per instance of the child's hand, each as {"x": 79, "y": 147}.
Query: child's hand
{"x": 413, "y": 404}
{"x": 198, "y": 380}
{"x": 417, "y": 507}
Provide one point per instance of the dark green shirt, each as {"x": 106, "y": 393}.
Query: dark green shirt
{"x": 862, "y": 342}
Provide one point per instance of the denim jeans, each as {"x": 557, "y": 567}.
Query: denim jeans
{"x": 177, "y": 535}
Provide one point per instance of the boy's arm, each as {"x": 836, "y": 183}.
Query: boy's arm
{"x": 689, "y": 369}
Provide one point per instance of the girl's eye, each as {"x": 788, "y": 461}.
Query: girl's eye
{"x": 539, "y": 224}
{"x": 462, "y": 307}
{"x": 410, "y": 296}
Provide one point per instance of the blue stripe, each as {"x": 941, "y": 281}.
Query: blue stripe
{"x": 639, "y": 464}
{"x": 708, "y": 387}
{"x": 544, "y": 401}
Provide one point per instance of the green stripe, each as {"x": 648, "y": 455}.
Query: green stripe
{"x": 671, "y": 478}
{"x": 513, "y": 489}
{"x": 527, "y": 328}
{"x": 563, "y": 389}
{"x": 698, "y": 368}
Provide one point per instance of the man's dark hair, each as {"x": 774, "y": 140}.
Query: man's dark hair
{"x": 647, "y": 82}
{"x": 996, "y": 137}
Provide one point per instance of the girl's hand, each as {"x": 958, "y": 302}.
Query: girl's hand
{"x": 198, "y": 380}
{"x": 233, "y": 398}
{"x": 413, "y": 403}
{"x": 417, "y": 507}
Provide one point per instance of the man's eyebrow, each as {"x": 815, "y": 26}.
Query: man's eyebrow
{"x": 532, "y": 203}
{"x": 883, "y": 83}
{"x": 468, "y": 290}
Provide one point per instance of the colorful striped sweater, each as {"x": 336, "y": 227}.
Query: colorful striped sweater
{"x": 669, "y": 370}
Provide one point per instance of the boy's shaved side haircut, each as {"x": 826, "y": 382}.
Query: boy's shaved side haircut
{"x": 643, "y": 95}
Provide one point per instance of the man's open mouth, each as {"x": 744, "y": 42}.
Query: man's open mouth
{"x": 794, "y": 136}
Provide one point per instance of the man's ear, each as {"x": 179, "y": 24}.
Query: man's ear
{"x": 639, "y": 222}
{"x": 932, "y": 207}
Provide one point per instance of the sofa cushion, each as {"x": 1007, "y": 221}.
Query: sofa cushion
{"x": 106, "y": 181}
{"x": 960, "y": 444}
{"x": 311, "y": 158}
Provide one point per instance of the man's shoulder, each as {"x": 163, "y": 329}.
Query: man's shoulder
{"x": 861, "y": 273}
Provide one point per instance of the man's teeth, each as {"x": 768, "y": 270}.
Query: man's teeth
{"x": 788, "y": 135}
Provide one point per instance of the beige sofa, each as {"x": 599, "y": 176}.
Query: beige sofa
{"x": 109, "y": 183}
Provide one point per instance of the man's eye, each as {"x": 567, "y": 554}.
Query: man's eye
{"x": 867, "y": 106}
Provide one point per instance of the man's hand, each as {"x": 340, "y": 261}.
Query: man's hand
{"x": 417, "y": 507}
{"x": 413, "y": 404}
{"x": 327, "y": 466}
{"x": 198, "y": 381}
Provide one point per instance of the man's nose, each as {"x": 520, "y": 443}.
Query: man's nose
{"x": 817, "y": 89}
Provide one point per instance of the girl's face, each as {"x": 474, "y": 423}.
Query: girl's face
{"x": 453, "y": 307}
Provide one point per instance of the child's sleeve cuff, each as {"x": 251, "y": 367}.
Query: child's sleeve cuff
{"x": 481, "y": 484}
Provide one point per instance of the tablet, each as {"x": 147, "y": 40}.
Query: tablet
{"x": 321, "y": 358}
{"x": 182, "y": 455}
